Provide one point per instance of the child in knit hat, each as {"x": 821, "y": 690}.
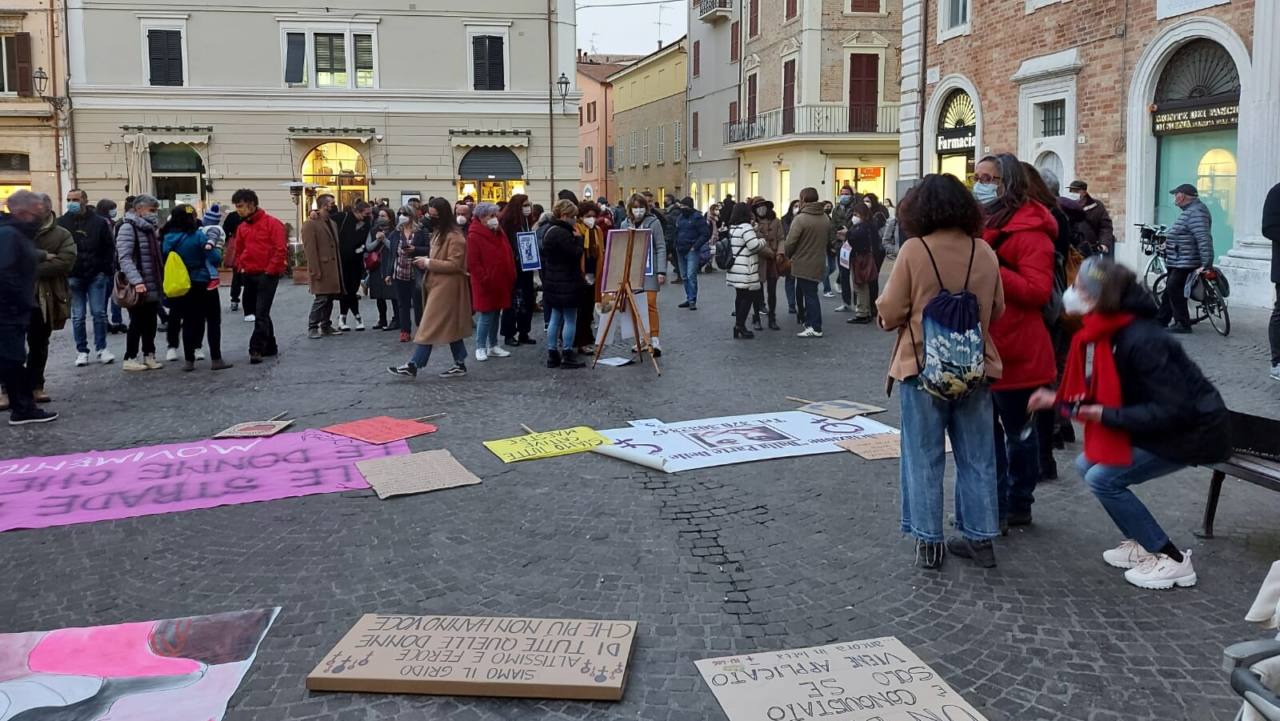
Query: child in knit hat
{"x": 215, "y": 238}
{"x": 212, "y": 216}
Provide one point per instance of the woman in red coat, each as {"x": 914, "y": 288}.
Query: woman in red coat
{"x": 493, "y": 276}
{"x": 1021, "y": 231}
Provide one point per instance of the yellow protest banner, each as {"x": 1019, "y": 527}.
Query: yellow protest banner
{"x": 546, "y": 445}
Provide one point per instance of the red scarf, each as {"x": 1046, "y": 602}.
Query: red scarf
{"x": 1109, "y": 446}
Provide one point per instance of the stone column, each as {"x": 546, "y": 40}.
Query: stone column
{"x": 910, "y": 129}
{"x": 1248, "y": 263}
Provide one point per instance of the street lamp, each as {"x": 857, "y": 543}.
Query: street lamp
{"x": 563, "y": 85}
{"x": 40, "y": 83}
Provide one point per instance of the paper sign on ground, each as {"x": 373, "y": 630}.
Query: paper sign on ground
{"x": 415, "y": 473}
{"x": 254, "y": 429}
{"x": 382, "y": 429}
{"x": 646, "y": 423}
{"x": 878, "y": 679}
{"x": 840, "y": 410}
{"x": 616, "y": 361}
{"x": 879, "y": 447}
{"x": 546, "y": 445}
{"x": 181, "y": 669}
{"x": 101, "y": 485}
{"x": 708, "y": 442}
{"x": 480, "y": 656}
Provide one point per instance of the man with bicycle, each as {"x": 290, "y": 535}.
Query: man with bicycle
{"x": 1188, "y": 250}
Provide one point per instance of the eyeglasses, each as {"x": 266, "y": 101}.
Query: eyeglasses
{"x": 987, "y": 178}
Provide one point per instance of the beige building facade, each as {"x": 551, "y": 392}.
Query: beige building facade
{"x": 32, "y": 101}
{"x": 649, "y": 148}
{"x": 598, "y": 176}
{"x": 341, "y": 101}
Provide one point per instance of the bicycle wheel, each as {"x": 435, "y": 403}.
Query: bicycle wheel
{"x": 1155, "y": 270}
{"x": 1215, "y": 307}
{"x": 1157, "y": 289}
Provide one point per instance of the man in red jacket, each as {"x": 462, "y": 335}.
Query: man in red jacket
{"x": 260, "y": 254}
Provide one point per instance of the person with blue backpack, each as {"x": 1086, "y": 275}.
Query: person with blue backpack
{"x": 942, "y": 298}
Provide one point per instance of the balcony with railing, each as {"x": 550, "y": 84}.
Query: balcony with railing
{"x": 812, "y": 120}
{"x": 712, "y": 11}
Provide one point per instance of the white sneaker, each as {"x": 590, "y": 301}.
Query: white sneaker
{"x": 359, "y": 323}
{"x": 132, "y": 365}
{"x": 499, "y": 352}
{"x": 829, "y": 294}
{"x": 105, "y": 356}
{"x": 199, "y": 354}
{"x": 1160, "y": 572}
{"x": 249, "y": 319}
{"x": 1275, "y": 372}
{"x": 342, "y": 322}
{"x": 171, "y": 355}
{"x": 482, "y": 355}
{"x": 82, "y": 360}
{"x": 1127, "y": 555}
{"x": 842, "y": 308}
{"x": 809, "y": 333}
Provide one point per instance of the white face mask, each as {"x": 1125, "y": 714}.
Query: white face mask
{"x": 526, "y": 209}
{"x": 1074, "y": 303}
{"x": 1074, "y": 196}
{"x": 462, "y": 219}
{"x": 589, "y": 222}
{"x": 762, "y": 211}
{"x": 491, "y": 223}
{"x": 637, "y": 213}
{"x": 855, "y": 220}
{"x": 402, "y": 220}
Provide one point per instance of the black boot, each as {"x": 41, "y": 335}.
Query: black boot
{"x": 570, "y": 360}
{"x": 742, "y": 332}
{"x": 553, "y": 359}
{"x": 982, "y": 553}
{"x": 773, "y": 322}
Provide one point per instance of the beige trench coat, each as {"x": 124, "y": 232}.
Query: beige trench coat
{"x": 446, "y": 310}
{"x": 320, "y": 243}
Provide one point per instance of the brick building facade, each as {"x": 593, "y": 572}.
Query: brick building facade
{"x": 1092, "y": 89}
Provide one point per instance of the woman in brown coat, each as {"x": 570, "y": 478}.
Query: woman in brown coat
{"x": 446, "y": 312}
{"x": 769, "y": 228}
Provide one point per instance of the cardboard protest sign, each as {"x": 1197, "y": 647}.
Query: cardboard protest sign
{"x": 480, "y": 656}
{"x": 102, "y": 485}
{"x": 546, "y": 445}
{"x": 675, "y": 447}
{"x": 415, "y": 473}
{"x": 177, "y": 669}
{"x": 879, "y": 447}
{"x": 530, "y": 258}
{"x": 879, "y": 679}
{"x": 254, "y": 429}
{"x": 840, "y": 410}
{"x": 382, "y": 429}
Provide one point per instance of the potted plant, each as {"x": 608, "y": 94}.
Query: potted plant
{"x": 298, "y": 264}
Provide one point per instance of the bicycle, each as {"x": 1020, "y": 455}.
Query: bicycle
{"x": 1209, "y": 297}
{"x": 1153, "y": 245}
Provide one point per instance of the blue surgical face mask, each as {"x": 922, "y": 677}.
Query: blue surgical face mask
{"x": 846, "y": 199}
{"x": 73, "y": 207}
{"x": 986, "y": 193}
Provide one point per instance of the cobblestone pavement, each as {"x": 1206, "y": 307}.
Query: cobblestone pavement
{"x": 770, "y": 555}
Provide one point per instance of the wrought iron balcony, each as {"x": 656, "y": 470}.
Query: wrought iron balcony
{"x": 712, "y": 11}
{"x": 812, "y": 120}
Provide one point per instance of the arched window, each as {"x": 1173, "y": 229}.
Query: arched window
{"x": 1201, "y": 70}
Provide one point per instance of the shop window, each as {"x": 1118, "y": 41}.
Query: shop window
{"x": 1053, "y": 118}
{"x": 15, "y": 64}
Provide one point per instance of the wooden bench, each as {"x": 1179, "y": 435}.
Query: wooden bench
{"x": 1256, "y": 460}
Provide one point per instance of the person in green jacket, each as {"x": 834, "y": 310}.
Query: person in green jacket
{"x": 53, "y": 295}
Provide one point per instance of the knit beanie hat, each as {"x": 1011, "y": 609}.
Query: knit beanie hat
{"x": 212, "y": 216}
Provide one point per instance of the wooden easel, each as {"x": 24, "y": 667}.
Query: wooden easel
{"x": 625, "y": 299}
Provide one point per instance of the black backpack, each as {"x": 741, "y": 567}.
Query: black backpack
{"x": 724, "y": 253}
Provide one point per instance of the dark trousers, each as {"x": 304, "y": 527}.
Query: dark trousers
{"x": 404, "y": 304}
{"x": 142, "y": 330}
{"x": 200, "y": 312}
{"x": 1174, "y": 304}
{"x": 262, "y": 288}
{"x": 249, "y": 296}
{"x": 846, "y": 287}
{"x": 321, "y": 312}
{"x": 743, "y": 301}
{"x": 13, "y": 374}
{"x": 349, "y": 301}
{"x": 808, "y": 291}
{"x": 583, "y": 336}
{"x": 1274, "y": 330}
{"x": 518, "y": 319}
{"x": 771, "y": 295}
{"x": 38, "y": 333}
{"x": 173, "y": 329}
{"x": 382, "y": 310}
{"x": 1017, "y": 461}
{"x": 237, "y": 283}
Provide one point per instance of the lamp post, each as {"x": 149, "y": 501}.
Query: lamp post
{"x": 563, "y": 85}
{"x": 40, "y": 83}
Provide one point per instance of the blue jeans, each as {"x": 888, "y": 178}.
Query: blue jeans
{"x": 1110, "y": 484}
{"x": 487, "y": 329}
{"x": 790, "y": 285}
{"x": 832, "y": 266}
{"x": 422, "y": 354}
{"x": 689, "y": 263}
{"x": 812, "y": 306}
{"x": 562, "y": 326}
{"x": 92, "y": 292}
{"x": 926, "y": 422}
{"x": 1017, "y": 461}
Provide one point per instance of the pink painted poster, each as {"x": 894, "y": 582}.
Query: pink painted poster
{"x": 181, "y": 669}
{"x": 103, "y": 485}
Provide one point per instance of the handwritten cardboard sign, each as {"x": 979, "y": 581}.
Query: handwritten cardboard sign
{"x": 254, "y": 429}
{"x": 879, "y": 446}
{"x": 480, "y": 656}
{"x": 382, "y": 429}
{"x": 546, "y": 445}
{"x": 415, "y": 473}
{"x": 840, "y": 410}
{"x": 879, "y": 679}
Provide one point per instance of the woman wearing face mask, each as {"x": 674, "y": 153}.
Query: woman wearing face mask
{"x": 517, "y": 319}
{"x": 493, "y": 276}
{"x": 1147, "y": 411}
{"x": 1021, "y": 231}
{"x": 140, "y": 259}
{"x": 769, "y": 229}
{"x": 744, "y": 276}
{"x": 562, "y": 284}
{"x": 592, "y": 261}
{"x": 403, "y": 242}
{"x": 790, "y": 283}
{"x": 862, "y": 273}
{"x": 382, "y": 275}
{"x": 641, "y": 217}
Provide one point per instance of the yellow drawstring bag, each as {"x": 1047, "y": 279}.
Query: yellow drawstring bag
{"x": 177, "y": 281}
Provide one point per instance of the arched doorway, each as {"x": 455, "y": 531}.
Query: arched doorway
{"x": 1196, "y": 113}
{"x": 957, "y": 134}
{"x": 177, "y": 176}
{"x": 1052, "y": 162}
{"x": 490, "y": 175}
{"x": 336, "y": 169}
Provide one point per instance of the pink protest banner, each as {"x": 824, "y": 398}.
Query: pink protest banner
{"x": 103, "y": 485}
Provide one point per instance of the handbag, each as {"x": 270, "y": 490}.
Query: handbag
{"x": 863, "y": 269}
{"x": 123, "y": 292}
{"x": 372, "y": 259}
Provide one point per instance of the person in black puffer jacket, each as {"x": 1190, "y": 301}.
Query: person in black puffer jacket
{"x": 1147, "y": 409}
{"x": 562, "y": 282}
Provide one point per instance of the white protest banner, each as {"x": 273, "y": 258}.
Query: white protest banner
{"x": 879, "y": 679}
{"x": 708, "y": 442}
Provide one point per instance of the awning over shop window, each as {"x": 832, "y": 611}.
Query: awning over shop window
{"x": 333, "y": 135}
{"x": 489, "y": 138}
{"x": 490, "y": 164}
{"x": 179, "y": 139}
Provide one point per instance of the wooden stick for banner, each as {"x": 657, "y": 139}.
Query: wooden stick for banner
{"x": 277, "y": 416}
{"x": 433, "y": 415}
{"x": 798, "y": 400}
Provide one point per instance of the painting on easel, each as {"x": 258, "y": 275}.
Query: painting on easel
{"x": 615, "y": 259}
{"x": 627, "y": 260}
